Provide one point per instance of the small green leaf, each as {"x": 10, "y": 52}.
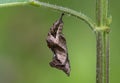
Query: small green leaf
{"x": 12, "y": 2}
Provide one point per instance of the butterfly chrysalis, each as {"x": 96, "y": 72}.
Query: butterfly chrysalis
{"x": 57, "y": 43}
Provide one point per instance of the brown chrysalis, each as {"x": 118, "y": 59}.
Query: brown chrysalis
{"x": 57, "y": 43}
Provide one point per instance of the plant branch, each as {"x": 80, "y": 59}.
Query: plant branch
{"x": 66, "y": 10}
{"x": 13, "y": 4}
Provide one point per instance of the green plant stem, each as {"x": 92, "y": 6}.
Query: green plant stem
{"x": 102, "y": 38}
{"x": 66, "y": 10}
{"x": 13, "y": 4}
{"x": 102, "y": 66}
{"x": 101, "y": 12}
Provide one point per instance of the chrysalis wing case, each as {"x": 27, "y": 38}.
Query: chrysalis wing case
{"x": 57, "y": 43}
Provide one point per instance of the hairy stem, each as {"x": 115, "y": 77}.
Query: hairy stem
{"x": 101, "y": 12}
{"x": 102, "y": 65}
{"x": 102, "y": 38}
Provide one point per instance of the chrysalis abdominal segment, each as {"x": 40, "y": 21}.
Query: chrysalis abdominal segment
{"x": 57, "y": 43}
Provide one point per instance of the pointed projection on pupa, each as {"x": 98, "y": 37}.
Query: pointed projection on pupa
{"x": 57, "y": 43}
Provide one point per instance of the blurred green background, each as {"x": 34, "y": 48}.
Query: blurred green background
{"x": 25, "y": 57}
